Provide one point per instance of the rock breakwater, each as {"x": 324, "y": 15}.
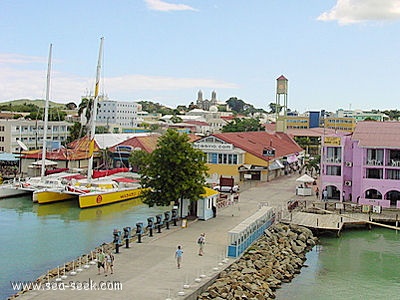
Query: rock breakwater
{"x": 274, "y": 259}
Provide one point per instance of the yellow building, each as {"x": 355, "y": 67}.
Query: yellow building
{"x": 258, "y": 156}
{"x": 342, "y": 124}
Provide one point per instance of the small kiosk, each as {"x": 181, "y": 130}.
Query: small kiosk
{"x": 304, "y": 188}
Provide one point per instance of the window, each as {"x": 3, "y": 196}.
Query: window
{"x": 333, "y": 154}
{"x": 374, "y": 173}
{"x": 222, "y": 158}
{"x": 375, "y": 155}
{"x": 393, "y": 174}
{"x": 334, "y": 170}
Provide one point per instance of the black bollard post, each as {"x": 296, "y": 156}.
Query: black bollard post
{"x": 127, "y": 236}
{"x": 139, "y": 231}
{"x": 174, "y": 216}
{"x": 159, "y": 223}
{"x": 166, "y": 219}
{"x": 117, "y": 239}
{"x": 150, "y": 225}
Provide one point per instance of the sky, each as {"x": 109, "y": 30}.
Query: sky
{"x": 334, "y": 53}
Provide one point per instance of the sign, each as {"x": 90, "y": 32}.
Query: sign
{"x": 269, "y": 152}
{"x": 377, "y": 209}
{"x": 124, "y": 148}
{"x": 213, "y": 146}
{"x": 330, "y": 140}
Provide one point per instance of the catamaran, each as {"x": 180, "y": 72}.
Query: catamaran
{"x": 94, "y": 191}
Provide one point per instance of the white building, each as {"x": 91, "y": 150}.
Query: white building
{"x": 122, "y": 114}
{"x": 30, "y": 133}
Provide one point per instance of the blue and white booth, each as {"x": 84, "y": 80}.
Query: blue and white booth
{"x": 204, "y": 205}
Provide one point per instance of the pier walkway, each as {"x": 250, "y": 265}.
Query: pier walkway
{"x": 148, "y": 270}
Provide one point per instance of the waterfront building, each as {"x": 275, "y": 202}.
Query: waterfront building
{"x": 364, "y": 166}
{"x": 30, "y": 133}
{"x": 255, "y": 156}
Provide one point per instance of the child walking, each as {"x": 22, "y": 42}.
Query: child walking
{"x": 178, "y": 256}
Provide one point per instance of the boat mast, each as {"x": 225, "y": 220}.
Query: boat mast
{"x": 46, "y": 116}
{"x": 94, "y": 113}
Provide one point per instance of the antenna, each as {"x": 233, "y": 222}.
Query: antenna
{"x": 22, "y": 145}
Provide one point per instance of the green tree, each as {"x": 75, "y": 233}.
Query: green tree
{"x": 274, "y": 108}
{"x": 172, "y": 172}
{"x": 176, "y": 119}
{"x": 242, "y": 125}
{"x": 70, "y": 106}
{"x": 76, "y": 131}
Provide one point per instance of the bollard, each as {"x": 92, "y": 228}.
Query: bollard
{"x": 174, "y": 216}
{"x": 150, "y": 225}
{"x": 159, "y": 223}
{"x": 139, "y": 231}
{"x": 127, "y": 236}
{"x": 117, "y": 239}
{"x": 166, "y": 219}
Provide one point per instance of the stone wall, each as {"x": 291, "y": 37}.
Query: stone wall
{"x": 274, "y": 259}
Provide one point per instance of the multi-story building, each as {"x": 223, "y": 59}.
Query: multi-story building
{"x": 364, "y": 166}
{"x": 118, "y": 115}
{"x": 30, "y": 133}
{"x": 340, "y": 123}
{"x": 255, "y": 156}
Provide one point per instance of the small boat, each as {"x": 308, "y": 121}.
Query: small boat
{"x": 11, "y": 188}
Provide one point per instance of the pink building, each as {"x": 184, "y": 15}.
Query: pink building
{"x": 363, "y": 166}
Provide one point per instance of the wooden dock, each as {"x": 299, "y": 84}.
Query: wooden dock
{"x": 330, "y": 221}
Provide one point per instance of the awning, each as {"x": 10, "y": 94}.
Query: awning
{"x": 8, "y": 157}
{"x": 46, "y": 163}
{"x": 247, "y": 167}
{"x": 275, "y": 165}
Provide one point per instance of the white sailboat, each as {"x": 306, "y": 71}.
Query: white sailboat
{"x": 17, "y": 187}
{"x": 111, "y": 189}
{"x": 39, "y": 186}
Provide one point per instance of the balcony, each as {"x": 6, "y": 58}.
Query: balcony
{"x": 374, "y": 162}
{"x": 333, "y": 160}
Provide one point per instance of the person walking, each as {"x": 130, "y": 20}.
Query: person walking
{"x": 325, "y": 195}
{"x": 100, "y": 261}
{"x": 201, "y": 241}
{"x": 178, "y": 256}
{"x": 317, "y": 193}
{"x": 109, "y": 262}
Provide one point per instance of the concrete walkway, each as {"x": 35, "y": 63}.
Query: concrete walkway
{"x": 148, "y": 270}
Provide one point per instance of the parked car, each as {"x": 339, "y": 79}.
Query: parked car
{"x": 227, "y": 189}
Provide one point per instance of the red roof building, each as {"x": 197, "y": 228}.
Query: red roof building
{"x": 255, "y": 155}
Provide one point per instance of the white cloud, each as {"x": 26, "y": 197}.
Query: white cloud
{"x": 6, "y": 58}
{"x": 165, "y": 6}
{"x": 31, "y": 84}
{"x": 347, "y": 12}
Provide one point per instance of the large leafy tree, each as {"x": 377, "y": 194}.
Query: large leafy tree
{"x": 242, "y": 125}
{"x": 173, "y": 171}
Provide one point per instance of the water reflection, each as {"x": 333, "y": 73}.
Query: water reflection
{"x": 35, "y": 238}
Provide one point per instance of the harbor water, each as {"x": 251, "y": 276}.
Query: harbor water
{"x": 35, "y": 238}
{"x": 361, "y": 264}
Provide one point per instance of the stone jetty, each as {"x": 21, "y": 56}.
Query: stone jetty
{"x": 274, "y": 259}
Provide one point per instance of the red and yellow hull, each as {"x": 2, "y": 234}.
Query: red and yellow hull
{"x": 94, "y": 199}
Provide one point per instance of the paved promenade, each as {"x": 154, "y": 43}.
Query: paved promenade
{"x": 148, "y": 270}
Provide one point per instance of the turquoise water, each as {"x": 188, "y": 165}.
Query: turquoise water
{"x": 35, "y": 238}
{"x": 361, "y": 264}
